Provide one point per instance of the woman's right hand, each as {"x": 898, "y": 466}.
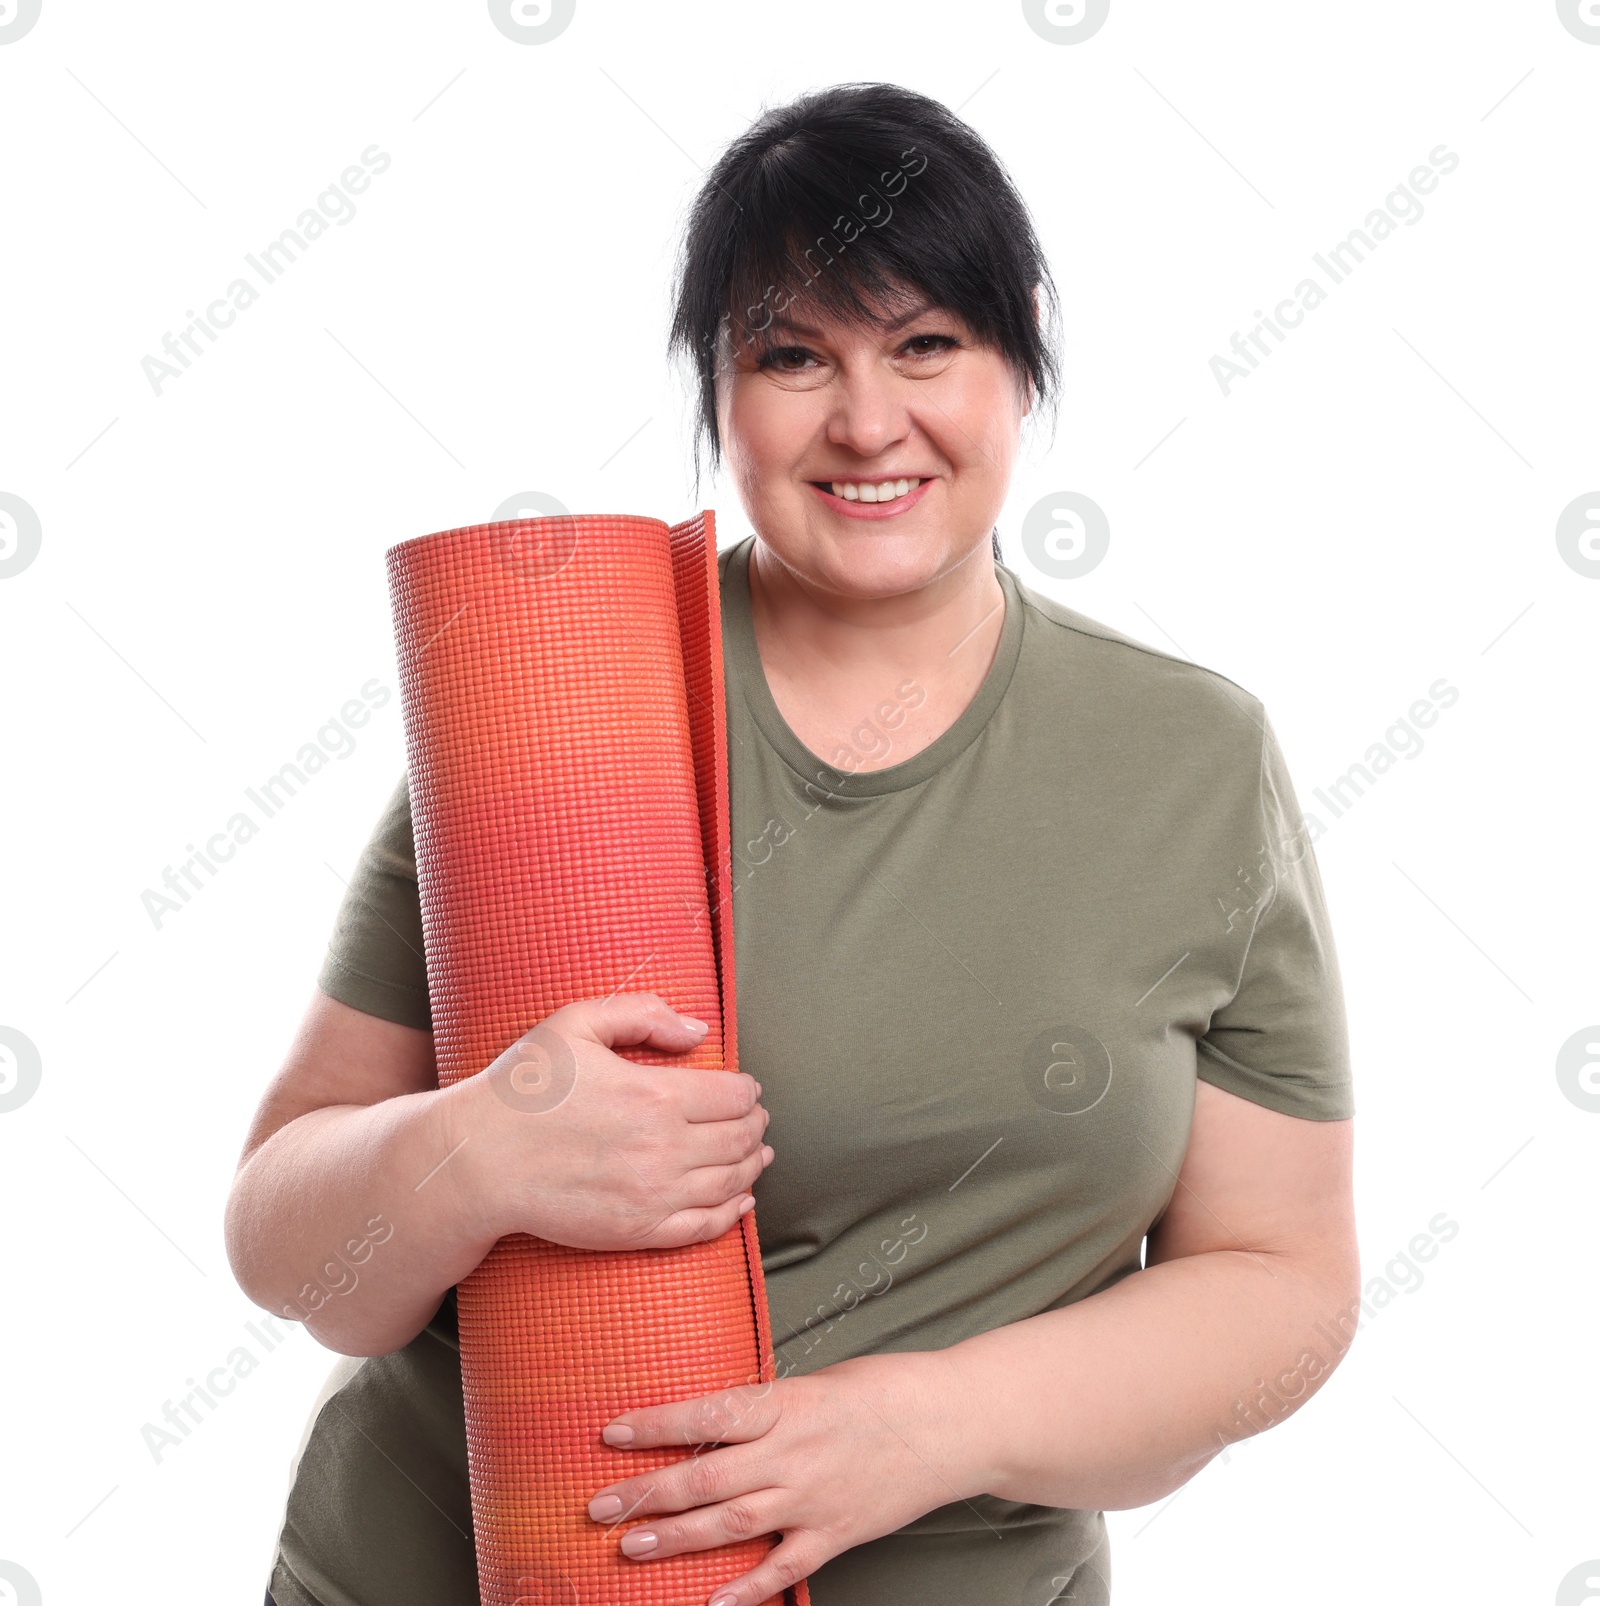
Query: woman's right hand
{"x": 565, "y": 1139}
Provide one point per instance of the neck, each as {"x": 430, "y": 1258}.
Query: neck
{"x": 875, "y": 679}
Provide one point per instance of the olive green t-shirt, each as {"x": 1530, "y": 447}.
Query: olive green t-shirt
{"x": 977, "y": 986}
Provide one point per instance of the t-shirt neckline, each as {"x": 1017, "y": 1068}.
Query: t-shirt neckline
{"x": 739, "y": 641}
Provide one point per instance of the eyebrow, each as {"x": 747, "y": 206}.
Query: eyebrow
{"x": 892, "y": 327}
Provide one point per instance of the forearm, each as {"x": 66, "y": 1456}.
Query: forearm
{"x": 1120, "y": 1398}
{"x": 346, "y": 1219}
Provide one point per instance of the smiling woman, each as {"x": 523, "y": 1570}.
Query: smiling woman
{"x": 947, "y": 262}
{"x": 1051, "y": 1137}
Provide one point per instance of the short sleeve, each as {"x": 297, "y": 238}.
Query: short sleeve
{"x": 1282, "y": 1039}
{"x": 375, "y": 959}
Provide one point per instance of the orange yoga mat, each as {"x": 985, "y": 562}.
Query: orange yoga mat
{"x": 561, "y": 680}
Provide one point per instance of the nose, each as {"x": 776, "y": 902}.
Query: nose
{"x": 869, "y": 413}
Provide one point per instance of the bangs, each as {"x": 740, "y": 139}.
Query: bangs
{"x": 834, "y": 249}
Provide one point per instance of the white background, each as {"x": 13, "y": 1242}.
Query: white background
{"x": 1373, "y": 509}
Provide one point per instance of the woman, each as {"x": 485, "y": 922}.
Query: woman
{"x": 1034, "y": 969}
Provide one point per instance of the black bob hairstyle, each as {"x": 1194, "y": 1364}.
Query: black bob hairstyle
{"x": 847, "y": 198}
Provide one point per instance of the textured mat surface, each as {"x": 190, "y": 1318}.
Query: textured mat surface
{"x": 561, "y": 680}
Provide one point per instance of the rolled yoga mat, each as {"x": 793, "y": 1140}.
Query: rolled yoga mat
{"x": 561, "y": 681}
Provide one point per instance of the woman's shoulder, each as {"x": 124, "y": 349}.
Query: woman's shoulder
{"x": 1121, "y": 670}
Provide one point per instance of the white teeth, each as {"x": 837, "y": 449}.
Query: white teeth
{"x": 873, "y": 490}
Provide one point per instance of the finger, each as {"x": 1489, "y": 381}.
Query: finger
{"x": 697, "y": 1226}
{"x": 673, "y": 1495}
{"x": 725, "y": 1416}
{"x": 724, "y": 1143}
{"x": 625, "y": 1020}
{"x": 712, "y": 1095}
{"x": 706, "y": 1528}
{"x": 797, "y": 1556}
{"x": 706, "y": 1187}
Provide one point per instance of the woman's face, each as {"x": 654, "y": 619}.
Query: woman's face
{"x": 817, "y": 417}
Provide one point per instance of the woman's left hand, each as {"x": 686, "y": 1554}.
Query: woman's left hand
{"x": 829, "y": 1460}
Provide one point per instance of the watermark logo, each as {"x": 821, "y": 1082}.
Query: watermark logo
{"x": 543, "y": 539}
{"x": 537, "y": 1073}
{"x": 1581, "y": 18}
{"x": 1065, "y": 535}
{"x": 1067, "y": 1069}
{"x": 1580, "y": 1585}
{"x": 1066, "y": 22}
{"x": 18, "y": 1587}
{"x": 1578, "y": 532}
{"x": 16, "y": 18}
{"x": 20, "y": 533}
{"x": 1577, "y": 1069}
{"x": 532, "y": 22}
{"x": 21, "y": 1069}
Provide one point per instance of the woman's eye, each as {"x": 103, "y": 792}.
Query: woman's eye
{"x": 929, "y": 345}
{"x": 786, "y": 358}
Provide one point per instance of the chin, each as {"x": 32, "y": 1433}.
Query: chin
{"x": 876, "y": 562}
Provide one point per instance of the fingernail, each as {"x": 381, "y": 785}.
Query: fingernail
{"x": 605, "y": 1506}
{"x": 766, "y": 1153}
{"x": 693, "y": 1024}
{"x": 746, "y": 1205}
{"x": 723, "y": 1600}
{"x": 617, "y": 1433}
{"x": 639, "y": 1542}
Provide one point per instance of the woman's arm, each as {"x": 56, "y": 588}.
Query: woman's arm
{"x": 365, "y": 1192}
{"x": 1235, "y": 1322}
{"x": 333, "y": 1193}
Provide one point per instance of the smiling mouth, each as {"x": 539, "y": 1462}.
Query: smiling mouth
{"x": 888, "y": 490}
{"x": 872, "y": 499}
